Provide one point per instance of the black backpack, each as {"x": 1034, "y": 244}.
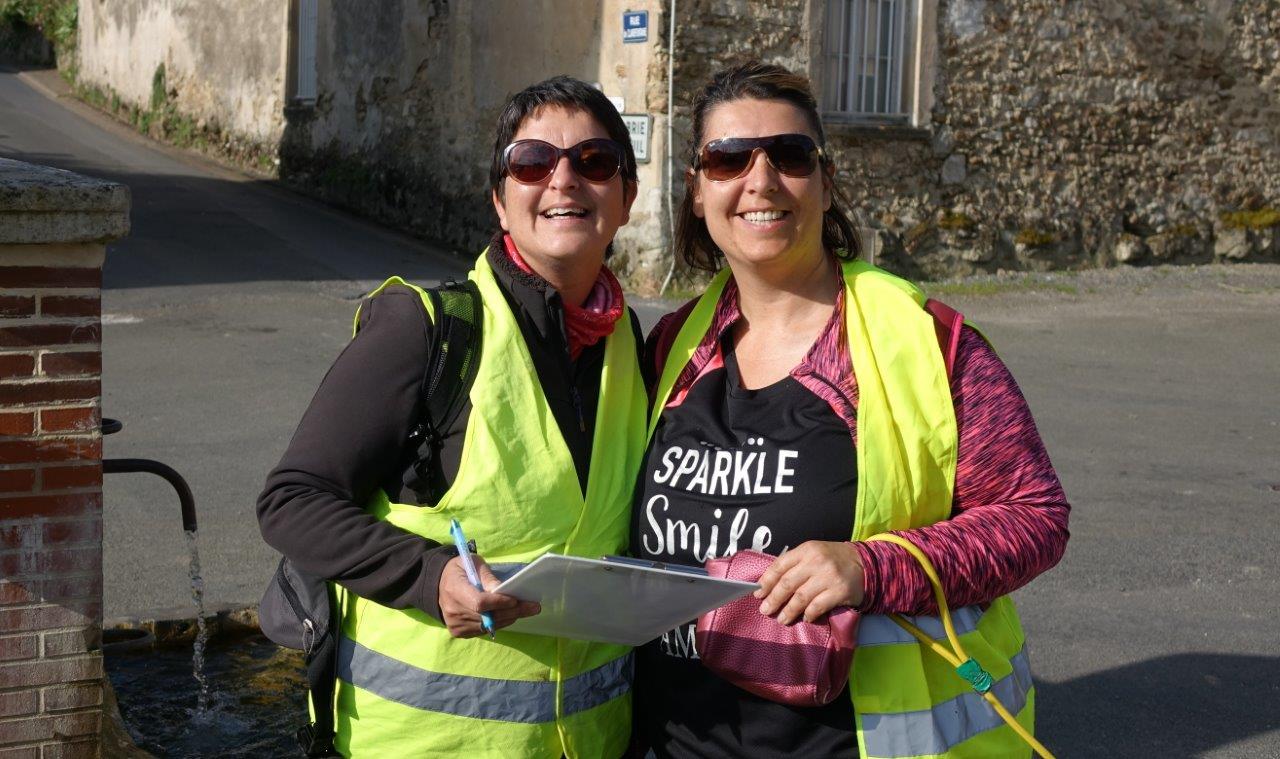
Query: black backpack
{"x": 298, "y": 609}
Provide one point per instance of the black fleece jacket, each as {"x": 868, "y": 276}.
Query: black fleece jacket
{"x": 352, "y": 440}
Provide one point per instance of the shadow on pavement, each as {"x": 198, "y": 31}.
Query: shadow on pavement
{"x": 1180, "y": 705}
{"x": 189, "y": 229}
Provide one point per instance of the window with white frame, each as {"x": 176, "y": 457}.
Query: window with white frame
{"x": 871, "y": 60}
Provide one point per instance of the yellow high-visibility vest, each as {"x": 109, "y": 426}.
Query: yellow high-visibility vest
{"x": 408, "y": 688}
{"x": 908, "y": 702}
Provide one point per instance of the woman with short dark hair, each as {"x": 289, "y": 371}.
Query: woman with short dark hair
{"x": 804, "y": 406}
{"x": 528, "y": 473}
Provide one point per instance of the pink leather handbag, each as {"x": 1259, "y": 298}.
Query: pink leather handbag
{"x": 804, "y": 664}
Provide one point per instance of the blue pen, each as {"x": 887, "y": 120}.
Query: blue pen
{"x": 460, "y": 540}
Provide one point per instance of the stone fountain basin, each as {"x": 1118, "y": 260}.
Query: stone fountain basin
{"x": 177, "y": 626}
{"x": 257, "y": 690}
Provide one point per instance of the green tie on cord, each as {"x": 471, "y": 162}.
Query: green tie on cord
{"x": 966, "y": 666}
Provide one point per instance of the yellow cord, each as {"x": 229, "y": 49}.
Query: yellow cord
{"x": 956, "y": 656}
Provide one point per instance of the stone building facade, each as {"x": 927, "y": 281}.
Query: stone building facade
{"x": 406, "y": 98}
{"x": 1013, "y": 134}
{"x": 221, "y": 63}
{"x": 1057, "y": 134}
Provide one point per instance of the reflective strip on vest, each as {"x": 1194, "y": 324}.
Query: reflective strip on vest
{"x": 880, "y": 630}
{"x": 523, "y": 701}
{"x": 935, "y": 731}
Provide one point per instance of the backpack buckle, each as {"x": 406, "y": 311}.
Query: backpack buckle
{"x": 307, "y": 741}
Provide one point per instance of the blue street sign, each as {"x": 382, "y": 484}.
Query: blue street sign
{"x": 635, "y": 26}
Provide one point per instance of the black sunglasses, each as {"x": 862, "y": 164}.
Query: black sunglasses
{"x": 532, "y": 161}
{"x": 795, "y": 155}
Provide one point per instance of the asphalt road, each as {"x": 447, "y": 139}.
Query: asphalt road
{"x": 1155, "y": 391}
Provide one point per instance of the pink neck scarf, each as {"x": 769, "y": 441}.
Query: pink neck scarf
{"x": 595, "y": 318}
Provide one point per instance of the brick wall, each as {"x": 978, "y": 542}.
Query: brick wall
{"x": 51, "y": 458}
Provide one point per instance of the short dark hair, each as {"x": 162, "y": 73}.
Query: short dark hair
{"x": 565, "y": 92}
{"x": 753, "y": 80}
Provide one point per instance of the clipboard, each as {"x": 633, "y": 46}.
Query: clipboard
{"x": 614, "y": 599}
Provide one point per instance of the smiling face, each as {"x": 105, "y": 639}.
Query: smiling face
{"x": 763, "y": 218}
{"x": 564, "y": 221}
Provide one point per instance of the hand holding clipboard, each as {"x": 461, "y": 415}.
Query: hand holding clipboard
{"x": 615, "y": 599}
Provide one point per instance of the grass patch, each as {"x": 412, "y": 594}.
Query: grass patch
{"x": 956, "y": 221}
{"x": 1263, "y": 218}
{"x": 1034, "y": 238}
{"x": 57, "y": 20}
{"x": 159, "y": 92}
{"x": 915, "y": 234}
{"x": 97, "y": 98}
{"x": 161, "y": 120}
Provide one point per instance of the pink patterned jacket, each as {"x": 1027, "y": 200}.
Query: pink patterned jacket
{"x": 1009, "y": 516}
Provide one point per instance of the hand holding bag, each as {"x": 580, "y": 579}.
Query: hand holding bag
{"x": 807, "y": 664}
{"x": 803, "y": 664}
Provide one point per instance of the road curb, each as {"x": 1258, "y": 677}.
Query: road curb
{"x": 35, "y": 83}
{"x": 50, "y": 84}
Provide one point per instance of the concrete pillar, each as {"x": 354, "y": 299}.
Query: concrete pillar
{"x": 54, "y": 226}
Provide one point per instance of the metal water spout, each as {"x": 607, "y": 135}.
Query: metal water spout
{"x": 114, "y": 466}
{"x": 188, "y": 505}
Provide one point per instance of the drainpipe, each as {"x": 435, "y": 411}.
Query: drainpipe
{"x": 671, "y": 155}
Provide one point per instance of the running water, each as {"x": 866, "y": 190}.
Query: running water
{"x": 257, "y": 699}
{"x": 202, "y": 630}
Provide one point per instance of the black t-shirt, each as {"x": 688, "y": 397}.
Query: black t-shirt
{"x": 730, "y": 469}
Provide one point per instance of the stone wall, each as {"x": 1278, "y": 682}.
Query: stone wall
{"x": 53, "y": 230}
{"x": 222, "y": 63}
{"x": 409, "y": 93}
{"x": 1061, "y": 134}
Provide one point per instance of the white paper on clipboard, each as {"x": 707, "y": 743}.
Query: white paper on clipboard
{"x": 611, "y": 602}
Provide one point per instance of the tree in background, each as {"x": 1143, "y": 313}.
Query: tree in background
{"x": 38, "y": 31}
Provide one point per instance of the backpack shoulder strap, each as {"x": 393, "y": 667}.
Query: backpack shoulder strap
{"x": 457, "y": 351}
{"x": 947, "y": 321}
{"x": 455, "y": 358}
